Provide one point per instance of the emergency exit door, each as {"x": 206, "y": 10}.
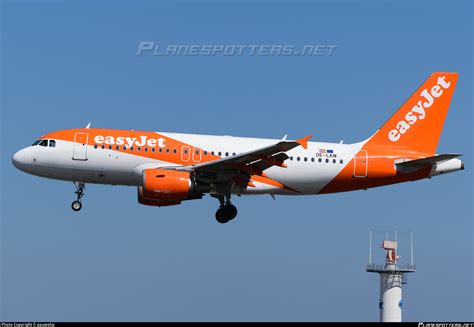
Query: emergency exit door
{"x": 79, "y": 151}
{"x": 360, "y": 164}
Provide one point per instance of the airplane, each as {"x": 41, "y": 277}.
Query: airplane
{"x": 169, "y": 168}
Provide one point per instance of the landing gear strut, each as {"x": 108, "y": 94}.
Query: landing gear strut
{"x": 77, "y": 205}
{"x": 227, "y": 211}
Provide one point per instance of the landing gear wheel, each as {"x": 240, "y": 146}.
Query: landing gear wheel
{"x": 220, "y": 216}
{"x": 226, "y": 213}
{"x": 76, "y": 205}
{"x": 231, "y": 211}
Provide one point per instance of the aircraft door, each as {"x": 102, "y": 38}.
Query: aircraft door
{"x": 79, "y": 151}
{"x": 360, "y": 164}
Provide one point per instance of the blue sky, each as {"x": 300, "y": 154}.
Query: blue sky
{"x": 297, "y": 258}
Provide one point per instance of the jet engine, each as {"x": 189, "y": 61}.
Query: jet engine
{"x": 162, "y": 187}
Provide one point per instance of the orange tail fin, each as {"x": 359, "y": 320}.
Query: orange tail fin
{"x": 417, "y": 125}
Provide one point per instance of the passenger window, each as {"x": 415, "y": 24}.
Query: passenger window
{"x": 131, "y": 148}
{"x": 146, "y": 149}
{"x": 291, "y": 158}
{"x": 305, "y": 159}
{"x": 297, "y": 158}
{"x": 174, "y": 151}
{"x": 52, "y": 143}
{"x": 102, "y": 146}
{"x": 227, "y": 154}
{"x": 319, "y": 160}
{"x": 327, "y": 160}
{"x": 220, "y": 153}
{"x": 139, "y": 149}
{"x": 124, "y": 148}
{"x": 212, "y": 152}
{"x": 233, "y": 153}
{"x": 312, "y": 159}
{"x": 161, "y": 150}
{"x": 205, "y": 153}
{"x": 95, "y": 146}
{"x": 341, "y": 161}
{"x": 152, "y": 149}
{"x": 117, "y": 147}
{"x": 110, "y": 147}
{"x": 167, "y": 150}
{"x": 333, "y": 160}
{"x": 36, "y": 142}
{"x": 44, "y": 143}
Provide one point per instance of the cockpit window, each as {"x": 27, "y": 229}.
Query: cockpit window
{"x": 44, "y": 143}
{"x": 36, "y": 142}
{"x": 52, "y": 143}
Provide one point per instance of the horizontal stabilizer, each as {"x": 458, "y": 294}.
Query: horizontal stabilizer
{"x": 408, "y": 166}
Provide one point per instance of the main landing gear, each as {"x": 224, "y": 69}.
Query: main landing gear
{"x": 77, "y": 205}
{"x": 227, "y": 211}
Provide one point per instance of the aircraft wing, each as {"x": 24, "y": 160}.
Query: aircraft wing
{"x": 239, "y": 168}
{"x": 258, "y": 160}
{"x": 408, "y": 166}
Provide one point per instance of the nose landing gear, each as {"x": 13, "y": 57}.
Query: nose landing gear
{"x": 77, "y": 205}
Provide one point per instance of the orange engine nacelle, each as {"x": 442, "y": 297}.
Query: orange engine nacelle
{"x": 168, "y": 185}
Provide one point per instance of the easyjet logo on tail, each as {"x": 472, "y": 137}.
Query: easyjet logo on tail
{"x": 418, "y": 112}
{"x": 130, "y": 141}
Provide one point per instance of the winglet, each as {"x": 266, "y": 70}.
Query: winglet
{"x": 304, "y": 141}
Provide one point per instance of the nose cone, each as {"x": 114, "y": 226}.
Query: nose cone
{"x": 20, "y": 160}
